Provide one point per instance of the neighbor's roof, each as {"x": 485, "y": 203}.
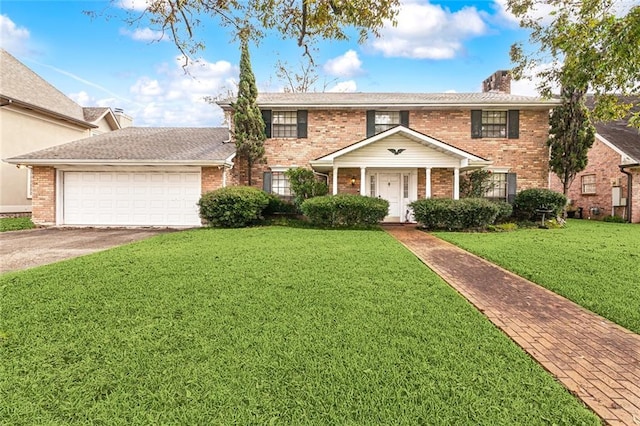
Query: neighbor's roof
{"x": 141, "y": 145}
{"x": 396, "y": 100}
{"x": 618, "y": 133}
{"x": 20, "y": 85}
{"x": 92, "y": 114}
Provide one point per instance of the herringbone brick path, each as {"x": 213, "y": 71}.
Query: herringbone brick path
{"x": 597, "y": 360}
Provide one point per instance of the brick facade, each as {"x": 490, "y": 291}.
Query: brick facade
{"x": 332, "y": 130}
{"x": 635, "y": 212}
{"x": 44, "y": 195}
{"x": 603, "y": 164}
{"x": 212, "y": 178}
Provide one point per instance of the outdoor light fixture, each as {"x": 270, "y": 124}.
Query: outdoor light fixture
{"x": 353, "y": 181}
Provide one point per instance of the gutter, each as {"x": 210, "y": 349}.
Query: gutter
{"x": 227, "y": 162}
{"x": 413, "y": 106}
{"x": 49, "y": 113}
{"x": 629, "y": 188}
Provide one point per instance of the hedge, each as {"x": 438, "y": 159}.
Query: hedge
{"x": 445, "y": 213}
{"x": 344, "y": 210}
{"x": 233, "y": 206}
{"x": 528, "y": 201}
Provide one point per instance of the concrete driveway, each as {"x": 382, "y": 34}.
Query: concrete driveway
{"x": 35, "y": 247}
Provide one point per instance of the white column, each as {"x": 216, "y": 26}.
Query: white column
{"x": 456, "y": 183}
{"x": 427, "y": 189}
{"x": 363, "y": 187}
{"x": 335, "y": 180}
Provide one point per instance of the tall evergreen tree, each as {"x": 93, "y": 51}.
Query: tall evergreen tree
{"x": 571, "y": 135}
{"x": 248, "y": 124}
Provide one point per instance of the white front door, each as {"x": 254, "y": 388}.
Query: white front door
{"x": 390, "y": 191}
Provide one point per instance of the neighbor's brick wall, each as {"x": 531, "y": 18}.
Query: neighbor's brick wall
{"x": 603, "y": 162}
{"x": 330, "y": 130}
{"x": 44, "y": 195}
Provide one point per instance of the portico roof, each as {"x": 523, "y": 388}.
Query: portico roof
{"x": 447, "y": 155}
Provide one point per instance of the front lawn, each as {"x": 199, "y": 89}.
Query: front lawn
{"x": 595, "y": 264}
{"x": 15, "y": 223}
{"x": 266, "y": 325}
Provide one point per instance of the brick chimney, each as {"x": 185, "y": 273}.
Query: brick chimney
{"x": 500, "y": 81}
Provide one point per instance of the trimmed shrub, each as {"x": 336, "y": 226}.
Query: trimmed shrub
{"x": 527, "y": 201}
{"x": 233, "y": 206}
{"x": 444, "y": 213}
{"x": 505, "y": 210}
{"x": 278, "y": 206}
{"x": 614, "y": 219}
{"x": 304, "y": 184}
{"x": 345, "y": 210}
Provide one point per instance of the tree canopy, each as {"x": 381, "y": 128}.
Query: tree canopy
{"x": 589, "y": 45}
{"x": 301, "y": 20}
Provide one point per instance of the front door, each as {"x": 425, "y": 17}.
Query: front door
{"x": 390, "y": 191}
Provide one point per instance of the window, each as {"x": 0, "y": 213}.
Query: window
{"x": 280, "y": 184}
{"x": 285, "y": 124}
{"x": 372, "y": 193}
{"x": 497, "y": 187}
{"x": 405, "y": 186}
{"x": 385, "y": 120}
{"x": 495, "y": 124}
{"x": 29, "y": 183}
{"x": 589, "y": 184}
{"x": 379, "y": 121}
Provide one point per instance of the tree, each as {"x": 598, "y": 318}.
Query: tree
{"x": 590, "y": 44}
{"x": 571, "y": 136}
{"x": 301, "y": 20}
{"x": 248, "y": 124}
{"x": 476, "y": 184}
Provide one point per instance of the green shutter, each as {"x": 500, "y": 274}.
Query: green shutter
{"x": 266, "y": 182}
{"x": 371, "y": 123}
{"x": 404, "y": 118}
{"x": 476, "y": 124}
{"x": 514, "y": 124}
{"x": 511, "y": 187}
{"x": 302, "y": 123}
{"x": 266, "y": 117}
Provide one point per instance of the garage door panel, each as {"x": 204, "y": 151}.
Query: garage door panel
{"x": 131, "y": 198}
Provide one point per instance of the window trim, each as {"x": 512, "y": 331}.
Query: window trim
{"x": 583, "y": 184}
{"x": 511, "y": 127}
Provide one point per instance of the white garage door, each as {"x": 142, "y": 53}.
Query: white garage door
{"x": 131, "y": 198}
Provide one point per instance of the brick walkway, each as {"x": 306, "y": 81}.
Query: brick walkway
{"x": 595, "y": 359}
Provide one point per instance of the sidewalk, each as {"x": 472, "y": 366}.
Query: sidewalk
{"x": 597, "y": 360}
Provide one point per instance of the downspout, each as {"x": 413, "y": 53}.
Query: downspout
{"x": 629, "y": 188}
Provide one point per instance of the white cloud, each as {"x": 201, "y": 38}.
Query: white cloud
{"x": 427, "y": 31}
{"x": 346, "y": 65}
{"x": 138, "y": 5}
{"x": 176, "y": 98}
{"x": 528, "y": 85}
{"x": 344, "y": 86}
{"x": 144, "y": 34}
{"x": 82, "y": 98}
{"x": 12, "y": 37}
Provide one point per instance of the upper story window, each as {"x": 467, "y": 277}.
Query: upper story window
{"x": 285, "y": 124}
{"x": 380, "y": 121}
{"x": 589, "y": 184}
{"x": 495, "y": 124}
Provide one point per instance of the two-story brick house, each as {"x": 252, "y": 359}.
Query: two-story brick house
{"x": 397, "y": 146}
{"x": 404, "y": 146}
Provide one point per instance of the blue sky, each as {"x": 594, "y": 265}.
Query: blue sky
{"x": 436, "y": 47}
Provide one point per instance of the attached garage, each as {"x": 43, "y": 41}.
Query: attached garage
{"x": 136, "y": 176}
{"x": 130, "y": 198}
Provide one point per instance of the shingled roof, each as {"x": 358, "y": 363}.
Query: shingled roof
{"x": 618, "y": 133}
{"x": 385, "y": 100}
{"x": 141, "y": 145}
{"x": 22, "y": 86}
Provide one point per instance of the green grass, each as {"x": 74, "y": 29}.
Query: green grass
{"x": 15, "y": 223}
{"x": 268, "y": 325}
{"x": 595, "y": 264}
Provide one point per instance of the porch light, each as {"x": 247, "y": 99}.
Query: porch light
{"x": 353, "y": 181}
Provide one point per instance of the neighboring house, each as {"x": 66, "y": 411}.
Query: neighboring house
{"x": 397, "y": 146}
{"x": 35, "y": 115}
{"x": 610, "y": 184}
